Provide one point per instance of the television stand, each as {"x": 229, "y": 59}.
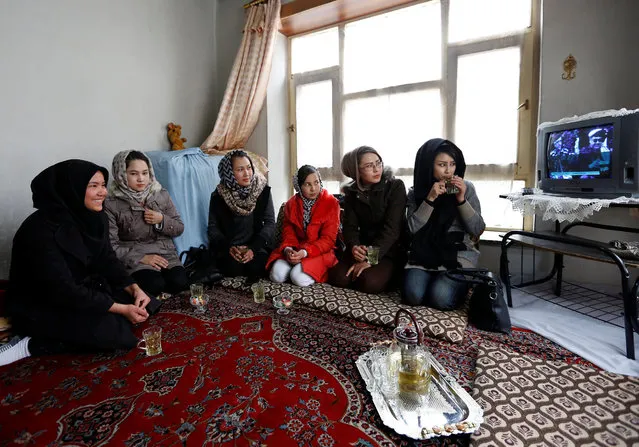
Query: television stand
{"x": 563, "y": 244}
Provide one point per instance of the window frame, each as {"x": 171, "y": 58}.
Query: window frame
{"x": 527, "y": 40}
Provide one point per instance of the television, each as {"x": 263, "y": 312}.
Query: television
{"x": 590, "y": 156}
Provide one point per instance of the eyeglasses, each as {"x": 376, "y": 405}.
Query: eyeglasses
{"x": 371, "y": 166}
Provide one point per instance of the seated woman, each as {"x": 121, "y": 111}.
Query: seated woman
{"x": 309, "y": 231}
{"x": 444, "y": 216}
{"x": 374, "y": 207}
{"x": 68, "y": 292}
{"x": 142, "y": 223}
{"x": 241, "y": 218}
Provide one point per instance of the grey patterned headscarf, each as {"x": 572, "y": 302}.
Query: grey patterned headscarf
{"x": 298, "y": 180}
{"x": 120, "y": 185}
{"x": 240, "y": 199}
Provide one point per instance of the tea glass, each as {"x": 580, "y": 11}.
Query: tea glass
{"x": 198, "y": 298}
{"x": 258, "y": 292}
{"x": 282, "y": 303}
{"x": 152, "y": 339}
{"x": 450, "y": 187}
{"x": 385, "y": 378}
{"x": 372, "y": 254}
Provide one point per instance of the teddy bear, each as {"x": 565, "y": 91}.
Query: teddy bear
{"x": 174, "y": 132}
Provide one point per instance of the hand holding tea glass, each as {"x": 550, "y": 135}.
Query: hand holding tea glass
{"x": 460, "y": 186}
{"x": 372, "y": 254}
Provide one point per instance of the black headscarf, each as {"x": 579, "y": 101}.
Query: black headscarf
{"x": 59, "y": 192}
{"x": 433, "y": 245}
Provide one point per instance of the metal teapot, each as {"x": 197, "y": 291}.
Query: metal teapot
{"x": 413, "y": 370}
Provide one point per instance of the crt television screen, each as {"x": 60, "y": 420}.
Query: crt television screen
{"x": 582, "y": 153}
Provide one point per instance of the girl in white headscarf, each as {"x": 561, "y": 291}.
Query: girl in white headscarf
{"x": 142, "y": 223}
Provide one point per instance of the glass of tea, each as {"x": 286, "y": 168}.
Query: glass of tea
{"x": 198, "y": 299}
{"x": 282, "y": 303}
{"x": 450, "y": 187}
{"x": 152, "y": 339}
{"x": 372, "y": 254}
{"x": 258, "y": 292}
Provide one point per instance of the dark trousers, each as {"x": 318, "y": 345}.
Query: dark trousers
{"x": 374, "y": 279}
{"x": 253, "y": 270}
{"x": 154, "y": 282}
{"x": 58, "y": 331}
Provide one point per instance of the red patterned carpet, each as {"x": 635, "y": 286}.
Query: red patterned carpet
{"x": 240, "y": 375}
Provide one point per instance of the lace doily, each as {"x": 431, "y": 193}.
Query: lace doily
{"x": 599, "y": 114}
{"x": 562, "y": 209}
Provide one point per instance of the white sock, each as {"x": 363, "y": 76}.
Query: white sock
{"x": 16, "y": 349}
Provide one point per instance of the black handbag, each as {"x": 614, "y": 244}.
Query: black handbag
{"x": 487, "y": 309}
{"x": 200, "y": 265}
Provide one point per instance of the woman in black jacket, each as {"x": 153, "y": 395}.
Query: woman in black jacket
{"x": 374, "y": 207}
{"x": 241, "y": 218}
{"x": 68, "y": 292}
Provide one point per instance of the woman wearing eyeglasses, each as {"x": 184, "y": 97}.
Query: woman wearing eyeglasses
{"x": 374, "y": 206}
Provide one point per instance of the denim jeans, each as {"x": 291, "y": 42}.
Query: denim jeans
{"x": 432, "y": 289}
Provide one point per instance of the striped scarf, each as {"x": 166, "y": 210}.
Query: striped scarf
{"x": 307, "y": 204}
{"x": 240, "y": 199}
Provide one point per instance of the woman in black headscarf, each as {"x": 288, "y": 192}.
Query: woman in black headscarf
{"x": 444, "y": 216}
{"x": 68, "y": 292}
{"x": 241, "y": 218}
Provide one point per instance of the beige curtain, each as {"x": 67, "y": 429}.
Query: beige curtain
{"x": 246, "y": 88}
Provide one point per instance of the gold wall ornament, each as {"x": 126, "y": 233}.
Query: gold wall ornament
{"x": 570, "y": 65}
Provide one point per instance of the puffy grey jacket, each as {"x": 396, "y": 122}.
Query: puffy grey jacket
{"x": 132, "y": 238}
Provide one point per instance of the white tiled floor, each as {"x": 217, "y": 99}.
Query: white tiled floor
{"x": 599, "y": 339}
{"x": 606, "y": 307}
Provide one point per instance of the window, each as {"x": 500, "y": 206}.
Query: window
{"x": 457, "y": 69}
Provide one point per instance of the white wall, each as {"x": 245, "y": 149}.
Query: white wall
{"x": 85, "y": 79}
{"x": 602, "y": 35}
{"x": 230, "y": 22}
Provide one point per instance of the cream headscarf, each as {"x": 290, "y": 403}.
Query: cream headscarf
{"x": 120, "y": 185}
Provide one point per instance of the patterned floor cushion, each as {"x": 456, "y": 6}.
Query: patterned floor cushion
{"x": 376, "y": 309}
{"x": 532, "y": 402}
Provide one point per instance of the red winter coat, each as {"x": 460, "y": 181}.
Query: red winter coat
{"x": 319, "y": 238}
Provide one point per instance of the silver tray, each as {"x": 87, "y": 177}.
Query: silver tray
{"x": 446, "y": 409}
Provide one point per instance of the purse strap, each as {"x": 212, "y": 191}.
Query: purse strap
{"x": 469, "y": 276}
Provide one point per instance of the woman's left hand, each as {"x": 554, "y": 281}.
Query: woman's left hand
{"x": 295, "y": 257}
{"x": 153, "y": 217}
{"x": 461, "y": 186}
{"x": 357, "y": 269}
{"x": 141, "y": 298}
{"x": 248, "y": 256}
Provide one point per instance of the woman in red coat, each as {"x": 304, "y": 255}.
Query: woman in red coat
{"x": 309, "y": 231}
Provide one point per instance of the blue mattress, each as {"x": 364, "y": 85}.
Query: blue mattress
{"x": 190, "y": 176}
